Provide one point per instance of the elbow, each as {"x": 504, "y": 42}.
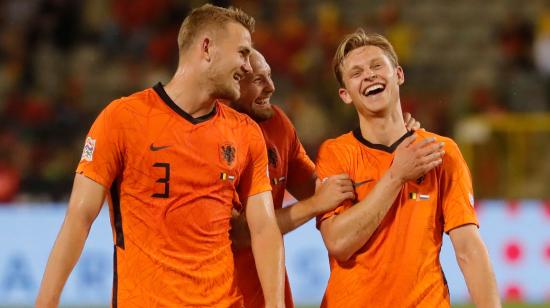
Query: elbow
{"x": 339, "y": 251}
{"x": 467, "y": 256}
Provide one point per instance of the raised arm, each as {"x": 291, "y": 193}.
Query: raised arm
{"x": 84, "y": 205}
{"x": 317, "y": 199}
{"x": 267, "y": 247}
{"x": 348, "y": 231}
{"x": 473, "y": 259}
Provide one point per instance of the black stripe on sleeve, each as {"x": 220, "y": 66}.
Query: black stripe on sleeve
{"x": 117, "y": 217}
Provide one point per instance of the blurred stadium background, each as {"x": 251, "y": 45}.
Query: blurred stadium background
{"x": 478, "y": 71}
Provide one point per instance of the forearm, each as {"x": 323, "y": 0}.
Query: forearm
{"x": 268, "y": 250}
{"x": 479, "y": 276}
{"x": 350, "y": 230}
{"x": 291, "y": 217}
{"x": 65, "y": 253}
{"x": 288, "y": 219}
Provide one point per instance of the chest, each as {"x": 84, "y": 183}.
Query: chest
{"x": 182, "y": 161}
{"x": 418, "y": 202}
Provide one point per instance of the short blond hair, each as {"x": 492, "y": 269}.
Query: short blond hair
{"x": 358, "y": 39}
{"x": 210, "y": 16}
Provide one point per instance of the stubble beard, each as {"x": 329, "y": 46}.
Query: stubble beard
{"x": 262, "y": 114}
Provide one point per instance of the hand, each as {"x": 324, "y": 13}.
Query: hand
{"x": 410, "y": 122}
{"x": 412, "y": 161}
{"x": 332, "y": 191}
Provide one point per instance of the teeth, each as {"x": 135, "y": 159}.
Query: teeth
{"x": 373, "y": 88}
{"x": 262, "y": 101}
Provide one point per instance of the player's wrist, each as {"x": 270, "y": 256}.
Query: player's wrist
{"x": 314, "y": 204}
{"x": 394, "y": 178}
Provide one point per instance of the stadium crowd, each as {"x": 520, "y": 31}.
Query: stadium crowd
{"x": 62, "y": 61}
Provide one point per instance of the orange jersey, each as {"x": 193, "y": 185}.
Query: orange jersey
{"x": 288, "y": 165}
{"x": 399, "y": 265}
{"x": 173, "y": 183}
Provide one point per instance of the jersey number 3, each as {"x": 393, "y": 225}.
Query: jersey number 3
{"x": 165, "y": 180}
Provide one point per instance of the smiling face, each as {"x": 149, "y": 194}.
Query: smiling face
{"x": 256, "y": 90}
{"x": 370, "y": 81}
{"x": 230, "y": 61}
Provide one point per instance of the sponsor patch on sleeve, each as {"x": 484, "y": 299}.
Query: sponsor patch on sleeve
{"x": 88, "y": 152}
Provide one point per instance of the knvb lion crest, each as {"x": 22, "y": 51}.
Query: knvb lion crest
{"x": 228, "y": 154}
{"x": 272, "y": 157}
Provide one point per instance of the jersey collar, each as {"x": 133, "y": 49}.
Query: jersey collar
{"x": 390, "y": 149}
{"x": 159, "y": 89}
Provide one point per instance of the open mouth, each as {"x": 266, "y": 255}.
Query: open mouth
{"x": 374, "y": 89}
{"x": 262, "y": 101}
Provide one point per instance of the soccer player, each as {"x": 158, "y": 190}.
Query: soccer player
{"x": 384, "y": 246}
{"x": 174, "y": 162}
{"x": 289, "y": 168}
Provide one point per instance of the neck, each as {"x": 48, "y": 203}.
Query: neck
{"x": 189, "y": 92}
{"x": 384, "y": 129}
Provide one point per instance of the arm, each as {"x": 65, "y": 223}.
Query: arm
{"x": 473, "y": 259}
{"x": 329, "y": 195}
{"x": 347, "y": 232}
{"x": 84, "y": 206}
{"x": 267, "y": 247}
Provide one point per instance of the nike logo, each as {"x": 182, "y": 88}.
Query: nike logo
{"x": 154, "y": 148}
{"x": 357, "y": 184}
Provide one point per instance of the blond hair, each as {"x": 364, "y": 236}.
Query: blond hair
{"x": 210, "y": 16}
{"x": 358, "y": 39}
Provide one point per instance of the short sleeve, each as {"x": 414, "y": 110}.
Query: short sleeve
{"x": 328, "y": 164}
{"x": 456, "y": 190}
{"x": 255, "y": 178}
{"x": 300, "y": 166}
{"x": 101, "y": 158}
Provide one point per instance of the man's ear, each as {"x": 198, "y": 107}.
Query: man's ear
{"x": 206, "y": 49}
{"x": 400, "y": 75}
{"x": 344, "y": 95}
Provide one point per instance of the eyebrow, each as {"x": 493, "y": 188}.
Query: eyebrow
{"x": 355, "y": 68}
{"x": 245, "y": 50}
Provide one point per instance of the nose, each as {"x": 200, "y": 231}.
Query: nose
{"x": 246, "y": 66}
{"x": 270, "y": 88}
{"x": 370, "y": 74}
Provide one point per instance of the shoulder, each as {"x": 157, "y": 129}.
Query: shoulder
{"x": 453, "y": 159}
{"x": 239, "y": 122}
{"x": 450, "y": 145}
{"x": 137, "y": 102}
{"x": 340, "y": 146}
{"x": 233, "y": 118}
{"x": 279, "y": 124}
{"x": 280, "y": 115}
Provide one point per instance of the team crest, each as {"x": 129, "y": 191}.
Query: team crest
{"x": 88, "y": 152}
{"x": 272, "y": 156}
{"x": 228, "y": 154}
